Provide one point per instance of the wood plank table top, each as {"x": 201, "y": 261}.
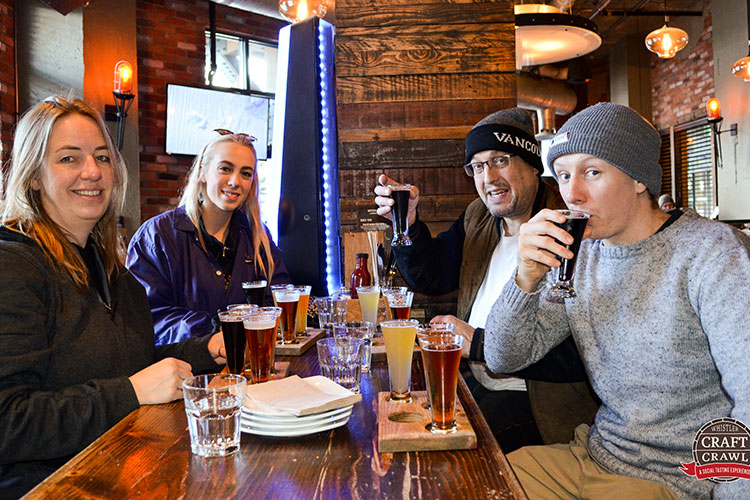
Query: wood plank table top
{"x": 147, "y": 455}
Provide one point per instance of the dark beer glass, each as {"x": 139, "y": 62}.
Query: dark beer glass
{"x": 575, "y": 224}
{"x": 234, "y": 339}
{"x": 255, "y": 292}
{"x": 399, "y": 212}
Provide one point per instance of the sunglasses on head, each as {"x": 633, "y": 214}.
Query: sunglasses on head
{"x": 241, "y": 135}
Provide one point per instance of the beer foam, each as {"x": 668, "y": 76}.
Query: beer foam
{"x": 259, "y": 324}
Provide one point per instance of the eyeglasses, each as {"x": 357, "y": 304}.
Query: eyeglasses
{"x": 249, "y": 139}
{"x": 477, "y": 167}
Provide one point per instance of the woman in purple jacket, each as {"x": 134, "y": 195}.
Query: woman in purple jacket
{"x": 193, "y": 260}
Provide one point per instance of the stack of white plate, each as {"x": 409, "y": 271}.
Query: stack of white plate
{"x": 271, "y": 423}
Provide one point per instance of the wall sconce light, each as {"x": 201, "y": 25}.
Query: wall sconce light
{"x": 714, "y": 118}
{"x": 299, "y": 10}
{"x": 123, "y": 92}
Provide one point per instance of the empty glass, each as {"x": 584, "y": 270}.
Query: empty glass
{"x": 331, "y": 310}
{"x": 340, "y": 360}
{"x": 363, "y": 330}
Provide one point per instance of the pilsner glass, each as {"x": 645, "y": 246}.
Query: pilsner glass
{"x": 368, "y": 302}
{"x": 287, "y": 299}
{"x": 304, "y": 302}
{"x": 399, "y": 338}
{"x": 255, "y": 292}
{"x": 400, "y": 304}
{"x": 241, "y": 310}
{"x": 575, "y": 225}
{"x": 386, "y": 292}
{"x": 399, "y": 214}
{"x": 441, "y": 356}
{"x": 427, "y": 330}
{"x": 260, "y": 331}
{"x": 234, "y": 336}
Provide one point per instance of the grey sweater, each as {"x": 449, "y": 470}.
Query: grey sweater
{"x": 662, "y": 330}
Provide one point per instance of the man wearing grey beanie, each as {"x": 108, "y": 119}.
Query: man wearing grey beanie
{"x": 664, "y": 366}
{"x": 477, "y": 255}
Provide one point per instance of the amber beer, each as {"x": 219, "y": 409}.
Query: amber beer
{"x": 260, "y": 331}
{"x": 400, "y": 304}
{"x": 302, "y": 306}
{"x": 287, "y": 300}
{"x": 441, "y": 356}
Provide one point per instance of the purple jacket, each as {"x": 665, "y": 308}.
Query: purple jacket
{"x": 185, "y": 285}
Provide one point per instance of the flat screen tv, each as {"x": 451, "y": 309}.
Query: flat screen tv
{"x": 193, "y": 113}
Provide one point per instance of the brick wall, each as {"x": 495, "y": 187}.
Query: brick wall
{"x": 171, "y": 49}
{"x": 7, "y": 84}
{"x": 682, "y": 85}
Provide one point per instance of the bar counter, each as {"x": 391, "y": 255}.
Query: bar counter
{"x": 147, "y": 455}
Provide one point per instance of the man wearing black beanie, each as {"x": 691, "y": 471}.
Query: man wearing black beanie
{"x": 477, "y": 256}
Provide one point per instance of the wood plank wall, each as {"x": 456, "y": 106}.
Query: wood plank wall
{"x": 412, "y": 78}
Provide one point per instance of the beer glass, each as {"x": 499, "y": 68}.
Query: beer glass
{"x": 260, "y": 331}
{"x": 575, "y": 224}
{"x": 399, "y": 213}
{"x": 400, "y": 304}
{"x": 424, "y": 331}
{"x": 399, "y": 338}
{"x": 386, "y": 292}
{"x": 241, "y": 310}
{"x": 368, "y": 302}
{"x": 304, "y": 302}
{"x": 255, "y": 292}
{"x": 441, "y": 356}
{"x": 234, "y": 336}
{"x": 287, "y": 299}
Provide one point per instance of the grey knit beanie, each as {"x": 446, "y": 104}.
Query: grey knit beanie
{"x": 616, "y": 134}
{"x": 509, "y": 130}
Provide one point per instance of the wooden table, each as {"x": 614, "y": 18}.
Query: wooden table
{"x": 147, "y": 455}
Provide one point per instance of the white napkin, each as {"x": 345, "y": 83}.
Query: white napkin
{"x": 299, "y": 396}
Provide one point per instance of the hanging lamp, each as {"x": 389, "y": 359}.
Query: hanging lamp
{"x": 667, "y": 40}
{"x": 741, "y": 67}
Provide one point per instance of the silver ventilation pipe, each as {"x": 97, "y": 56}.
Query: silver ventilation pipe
{"x": 547, "y": 97}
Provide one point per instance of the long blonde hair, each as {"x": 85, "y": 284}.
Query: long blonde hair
{"x": 194, "y": 195}
{"x": 22, "y": 208}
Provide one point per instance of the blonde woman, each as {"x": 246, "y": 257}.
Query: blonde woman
{"x": 193, "y": 260}
{"x": 76, "y": 336}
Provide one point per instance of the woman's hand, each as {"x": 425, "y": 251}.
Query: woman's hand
{"x": 217, "y": 349}
{"x": 161, "y": 382}
{"x": 384, "y": 201}
{"x": 537, "y": 248}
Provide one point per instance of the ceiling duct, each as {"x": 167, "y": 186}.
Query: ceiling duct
{"x": 547, "y": 97}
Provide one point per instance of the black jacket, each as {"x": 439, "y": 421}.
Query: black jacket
{"x": 65, "y": 360}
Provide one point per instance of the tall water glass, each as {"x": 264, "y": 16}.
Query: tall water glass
{"x": 260, "y": 331}
{"x": 575, "y": 225}
{"x": 369, "y": 296}
{"x": 287, "y": 300}
{"x": 304, "y": 301}
{"x": 399, "y": 213}
{"x": 399, "y": 338}
{"x": 363, "y": 330}
{"x": 441, "y": 356}
{"x": 212, "y": 404}
{"x": 331, "y": 310}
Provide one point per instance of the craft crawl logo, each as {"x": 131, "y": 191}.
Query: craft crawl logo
{"x": 721, "y": 451}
